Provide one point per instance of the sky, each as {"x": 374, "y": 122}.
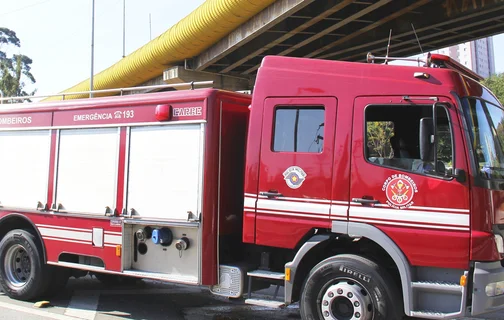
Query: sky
{"x": 56, "y": 34}
{"x": 498, "y": 42}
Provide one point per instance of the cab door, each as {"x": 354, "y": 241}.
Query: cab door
{"x": 296, "y": 163}
{"x": 425, "y": 211}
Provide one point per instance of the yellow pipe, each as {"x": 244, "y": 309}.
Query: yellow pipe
{"x": 203, "y": 27}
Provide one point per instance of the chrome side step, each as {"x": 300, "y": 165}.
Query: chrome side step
{"x": 266, "y": 274}
{"x": 265, "y": 303}
{"x": 433, "y": 314}
{"x": 437, "y": 286}
{"x": 273, "y": 277}
{"x": 438, "y": 298}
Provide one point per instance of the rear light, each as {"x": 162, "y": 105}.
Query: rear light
{"x": 499, "y": 243}
{"x": 163, "y": 112}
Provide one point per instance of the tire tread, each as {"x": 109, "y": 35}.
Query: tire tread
{"x": 393, "y": 304}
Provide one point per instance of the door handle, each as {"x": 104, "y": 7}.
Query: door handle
{"x": 270, "y": 194}
{"x": 365, "y": 201}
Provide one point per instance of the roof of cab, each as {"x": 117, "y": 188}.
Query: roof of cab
{"x": 332, "y": 66}
{"x": 294, "y": 76}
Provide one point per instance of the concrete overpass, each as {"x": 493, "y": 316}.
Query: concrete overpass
{"x": 347, "y": 30}
{"x": 325, "y": 29}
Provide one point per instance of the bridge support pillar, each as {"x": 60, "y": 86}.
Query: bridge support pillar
{"x": 179, "y": 74}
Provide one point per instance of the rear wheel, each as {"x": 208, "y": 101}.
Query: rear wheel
{"x": 349, "y": 287}
{"x": 22, "y": 269}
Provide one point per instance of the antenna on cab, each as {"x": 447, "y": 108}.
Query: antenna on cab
{"x": 388, "y": 47}
{"x": 371, "y": 58}
{"x": 416, "y": 36}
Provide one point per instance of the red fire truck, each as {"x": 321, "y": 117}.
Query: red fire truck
{"x": 364, "y": 190}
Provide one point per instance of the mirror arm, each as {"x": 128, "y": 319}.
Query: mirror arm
{"x": 434, "y": 135}
{"x": 458, "y": 174}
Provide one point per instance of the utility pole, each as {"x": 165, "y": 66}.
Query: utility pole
{"x": 124, "y": 28}
{"x": 92, "y": 50}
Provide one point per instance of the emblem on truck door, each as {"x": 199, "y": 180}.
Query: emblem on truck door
{"x": 294, "y": 176}
{"x": 400, "y": 190}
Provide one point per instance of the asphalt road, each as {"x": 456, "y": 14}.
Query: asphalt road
{"x": 86, "y": 298}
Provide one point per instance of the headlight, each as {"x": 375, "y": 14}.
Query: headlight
{"x": 499, "y": 288}
{"x": 490, "y": 289}
{"x": 499, "y": 242}
{"x": 494, "y": 289}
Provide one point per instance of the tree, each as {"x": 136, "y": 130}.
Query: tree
{"x": 378, "y": 136}
{"x": 15, "y": 69}
{"x": 496, "y": 84}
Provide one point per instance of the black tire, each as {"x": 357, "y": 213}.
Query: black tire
{"x": 23, "y": 272}
{"x": 352, "y": 276}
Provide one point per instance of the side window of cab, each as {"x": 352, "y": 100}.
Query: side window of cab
{"x": 298, "y": 129}
{"x": 393, "y": 138}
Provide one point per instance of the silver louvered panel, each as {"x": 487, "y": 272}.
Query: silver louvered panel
{"x": 231, "y": 281}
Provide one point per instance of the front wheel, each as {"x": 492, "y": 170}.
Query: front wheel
{"x": 349, "y": 287}
{"x": 22, "y": 270}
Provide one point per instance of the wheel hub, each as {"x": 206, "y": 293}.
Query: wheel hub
{"x": 17, "y": 265}
{"x": 346, "y": 300}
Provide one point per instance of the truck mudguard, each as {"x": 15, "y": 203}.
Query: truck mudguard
{"x": 357, "y": 230}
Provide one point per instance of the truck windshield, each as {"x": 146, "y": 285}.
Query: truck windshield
{"x": 486, "y": 123}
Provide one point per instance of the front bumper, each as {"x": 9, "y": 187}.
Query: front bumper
{"x": 486, "y": 273}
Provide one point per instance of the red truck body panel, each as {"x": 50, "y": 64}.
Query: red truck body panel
{"x": 226, "y": 116}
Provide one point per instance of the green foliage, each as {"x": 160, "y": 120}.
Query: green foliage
{"x": 496, "y": 84}
{"x": 378, "y": 136}
{"x": 15, "y": 69}
{"x": 8, "y": 36}
{"x": 444, "y": 144}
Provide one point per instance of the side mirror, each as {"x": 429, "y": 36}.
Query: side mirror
{"x": 426, "y": 138}
{"x": 459, "y": 175}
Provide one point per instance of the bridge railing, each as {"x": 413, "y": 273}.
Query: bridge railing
{"x": 190, "y": 85}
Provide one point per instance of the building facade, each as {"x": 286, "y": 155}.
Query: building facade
{"x": 477, "y": 55}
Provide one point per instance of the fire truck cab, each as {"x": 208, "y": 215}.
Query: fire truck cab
{"x": 365, "y": 190}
